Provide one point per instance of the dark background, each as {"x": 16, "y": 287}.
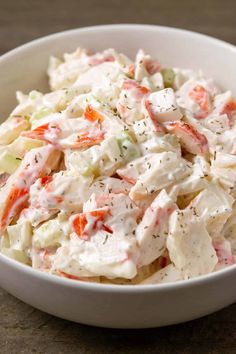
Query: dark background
{"x": 26, "y": 330}
{"x": 23, "y": 20}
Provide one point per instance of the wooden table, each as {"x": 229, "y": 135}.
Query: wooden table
{"x": 26, "y": 330}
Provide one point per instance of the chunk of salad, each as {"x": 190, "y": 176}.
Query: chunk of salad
{"x": 124, "y": 173}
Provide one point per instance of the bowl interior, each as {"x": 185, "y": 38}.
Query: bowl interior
{"x": 25, "y": 67}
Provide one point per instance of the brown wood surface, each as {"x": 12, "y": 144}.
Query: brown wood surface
{"x": 26, "y": 330}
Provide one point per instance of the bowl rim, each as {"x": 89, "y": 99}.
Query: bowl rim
{"x": 118, "y": 26}
{"x": 103, "y": 287}
{"x": 113, "y": 288}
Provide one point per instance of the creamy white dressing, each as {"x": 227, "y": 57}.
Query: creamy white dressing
{"x": 126, "y": 171}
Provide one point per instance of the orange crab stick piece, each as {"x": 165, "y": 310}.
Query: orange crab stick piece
{"x": 201, "y": 97}
{"x": 45, "y": 180}
{"x": 14, "y": 194}
{"x": 42, "y": 131}
{"x": 230, "y": 108}
{"x": 193, "y": 141}
{"x": 92, "y": 115}
{"x": 84, "y": 141}
{"x": 138, "y": 91}
{"x": 84, "y": 223}
{"x": 38, "y": 132}
{"x": 95, "y": 60}
{"x": 158, "y": 127}
{"x": 16, "y": 201}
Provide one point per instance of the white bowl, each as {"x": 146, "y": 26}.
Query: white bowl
{"x": 118, "y": 305}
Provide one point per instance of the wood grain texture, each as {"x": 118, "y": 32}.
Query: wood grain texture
{"x": 26, "y": 330}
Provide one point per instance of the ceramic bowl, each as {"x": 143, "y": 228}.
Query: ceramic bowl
{"x": 118, "y": 306}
